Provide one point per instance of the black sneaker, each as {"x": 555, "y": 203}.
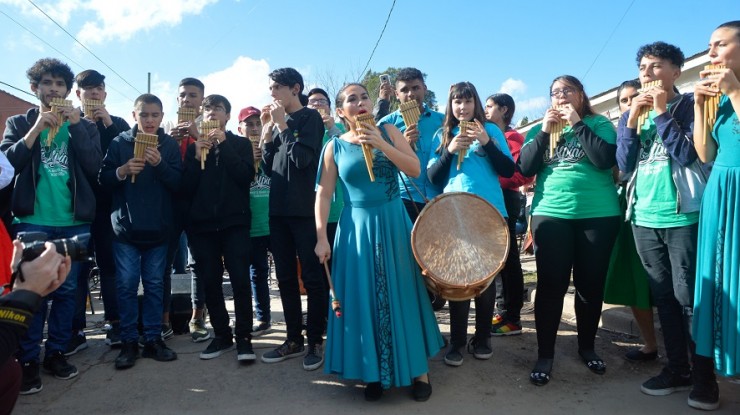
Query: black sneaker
{"x": 704, "y": 396}
{"x": 127, "y": 357}
{"x": 286, "y": 350}
{"x": 453, "y": 357}
{"x": 244, "y": 351}
{"x": 77, "y": 343}
{"x": 167, "y": 332}
{"x": 158, "y": 351}
{"x": 217, "y": 347}
{"x": 314, "y": 357}
{"x": 57, "y": 365}
{"x": 666, "y": 383}
{"x": 113, "y": 336}
{"x": 31, "y": 379}
{"x": 261, "y": 329}
{"x": 480, "y": 348}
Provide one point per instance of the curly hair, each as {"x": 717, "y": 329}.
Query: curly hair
{"x": 662, "y": 50}
{"x": 53, "y": 67}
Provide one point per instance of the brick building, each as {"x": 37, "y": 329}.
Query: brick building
{"x": 12, "y": 105}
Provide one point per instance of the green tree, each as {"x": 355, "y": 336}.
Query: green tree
{"x": 372, "y": 81}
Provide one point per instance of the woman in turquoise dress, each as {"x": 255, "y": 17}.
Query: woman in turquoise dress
{"x": 717, "y": 295}
{"x": 387, "y": 330}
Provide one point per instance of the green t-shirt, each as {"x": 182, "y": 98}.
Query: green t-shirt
{"x": 53, "y": 204}
{"x": 259, "y": 204}
{"x": 337, "y": 203}
{"x": 656, "y": 199}
{"x": 569, "y": 186}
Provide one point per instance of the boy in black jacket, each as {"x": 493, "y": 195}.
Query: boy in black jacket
{"x": 218, "y": 226}
{"x": 142, "y": 222}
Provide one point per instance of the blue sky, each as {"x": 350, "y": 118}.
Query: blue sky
{"x": 514, "y": 46}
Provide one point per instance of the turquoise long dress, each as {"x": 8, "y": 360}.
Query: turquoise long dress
{"x": 716, "y": 324}
{"x": 388, "y": 329}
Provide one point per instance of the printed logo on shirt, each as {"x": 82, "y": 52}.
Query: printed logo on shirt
{"x": 260, "y": 182}
{"x": 55, "y": 159}
{"x": 653, "y": 157}
{"x": 570, "y": 152}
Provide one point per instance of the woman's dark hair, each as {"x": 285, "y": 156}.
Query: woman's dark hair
{"x": 460, "y": 90}
{"x": 505, "y": 101}
{"x": 340, "y": 99}
{"x": 320, "y": 91}
{"x": 735, "y": 24}
{"x": 572, "y": 81}
{"x": 632, "y": 83}
{"x": 290, "y": 77}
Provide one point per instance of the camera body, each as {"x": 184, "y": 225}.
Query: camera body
{"x": 75, "y": 247}
{"x": 385, "y": 79}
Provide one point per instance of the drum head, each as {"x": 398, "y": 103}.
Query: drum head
{"x": 461, "y": 242}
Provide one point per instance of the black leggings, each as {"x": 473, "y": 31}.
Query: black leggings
{"x": 561, "y": 245}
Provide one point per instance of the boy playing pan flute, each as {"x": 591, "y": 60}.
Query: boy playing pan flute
{"x": 142, "y": 223}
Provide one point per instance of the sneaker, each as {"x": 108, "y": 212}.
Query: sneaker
{"x": 497, "y": 318}
{"x": 198, "y": 331}
{"x": 113, "y": 336}
{"x": 504, "y": 327}
{"x": 480, "y": 348}
{"x": 286, "y": 350}
{"x": 666, "y": 383}
{"x": 57, "y": 365}
{"x": 453, "y": 357}
{"x": 244, "y": 351}
{"x": 158, "y": 351}
{"x": 261, "y": 329}
{"x": 217, "y": 347}
{"x": 704, "y": 396}
{"x": 314, "y": 357}
{"x": 128, "y": 355}
{"x": 31, "y": 379}
{"x": 167, "y": 331}
{"x": 76, "y": 344}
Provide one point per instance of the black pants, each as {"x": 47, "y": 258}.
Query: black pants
{"x": 208, "y": 249}
{"x": 180, "y": 214}
{"x": 561, "y": 245}
{"x": 459, "y": 311}
{"x": 413, "y": 209}
{"x": 290, "y": 235}
{"x": 512, "y": 277}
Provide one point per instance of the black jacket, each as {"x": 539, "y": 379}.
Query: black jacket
{"x": 84, "y": 162}
{"x": 107, "y": 134}
{"x": 219, "y": 195}
{"x": 141, "y": 213}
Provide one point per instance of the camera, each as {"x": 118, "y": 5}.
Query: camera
{"x": 385, "y": 79}
{"x": 75, "y": 247}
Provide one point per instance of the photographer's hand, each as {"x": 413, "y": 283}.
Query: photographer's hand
{"x": 44, "y": 274}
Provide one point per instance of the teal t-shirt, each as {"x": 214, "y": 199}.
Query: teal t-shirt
{"x": 656, "y": 198}
{"x": 568, "y": 185}
{"x": 337, "y": 203}
{"x": 259, "y": 204}
{"x": 53, "y": 204}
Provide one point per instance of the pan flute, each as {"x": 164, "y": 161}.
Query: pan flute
{"x": 255, "y": 139}
{"x": 89, "y": 106}
{"x": 186, "y": 115}
{"x": 410, "y": 114}
{"x": 464, "y": 127}
{"x": 367, "y": 149}
{"x": 322, "y": 111}
{"x": 645, "y": 111}
{"x": 711, "y": 106}
{"x": 56, "y": 107}
{"x": 205, "y": 129}
{"x": 557, "y": 131}
{"x": 141, "y": 143}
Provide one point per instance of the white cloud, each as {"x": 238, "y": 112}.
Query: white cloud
{"x": 513, "y": 87}
{"x": 532, "y": 108}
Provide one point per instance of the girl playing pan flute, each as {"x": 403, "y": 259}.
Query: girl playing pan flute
{"x": 483, "y": 155}
{"x": 388, "y": 329}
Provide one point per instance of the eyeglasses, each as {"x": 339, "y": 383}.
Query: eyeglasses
{"x": 563, "y": 92}
{"x": 217, "y": 108}
{"x": 320, "y": 101}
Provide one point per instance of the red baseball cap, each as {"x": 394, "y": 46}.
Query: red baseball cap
{"x": 248, "y": 112}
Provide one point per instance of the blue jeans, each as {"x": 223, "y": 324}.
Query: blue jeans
{"x": 259, "y": 272}
{"x": 145, "y": 264}
{"x": 63, "y": 302}
{"x": 669, "y": 257}
{"x": 181, "y": 256}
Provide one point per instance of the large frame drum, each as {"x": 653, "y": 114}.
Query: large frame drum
{"x": 461, "y": 242}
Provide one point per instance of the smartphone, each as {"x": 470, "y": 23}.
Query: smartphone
{"x": 385, "y": 79}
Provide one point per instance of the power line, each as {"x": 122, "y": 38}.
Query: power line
{"x": 84, "y": 47}
{"x": 607, "y": 41}
{"x": 380, "y": 37}
{"x": 17, "y": 89}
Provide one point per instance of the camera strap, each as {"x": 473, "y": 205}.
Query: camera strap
{"x": 15, "y": 316}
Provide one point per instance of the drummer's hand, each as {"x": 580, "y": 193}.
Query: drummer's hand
{"x": 322, "y": 251}
{"x": 458, "y": 143}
